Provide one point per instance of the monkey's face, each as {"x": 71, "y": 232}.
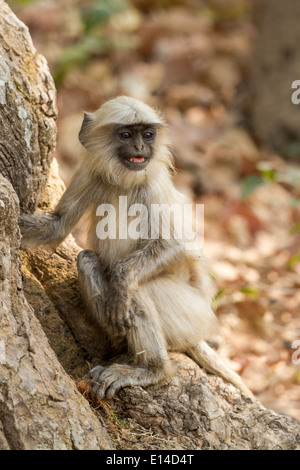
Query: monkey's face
{"x": 135, "y": 145}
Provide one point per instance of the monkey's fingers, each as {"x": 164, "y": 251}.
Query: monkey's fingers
{"x": 97, "y": 384}
{"x": 118, "y": 316}
{"x": 123, "y": 322}
{"x": 111, "y": 314}
{"x": 116, "y": 321}
{"x": 131, "y": 313}
{"x": 106, "y": 315}
{"x": 95, "y": 373}
{"x": 127, "y": 318}
{"x": 108, "y": 380}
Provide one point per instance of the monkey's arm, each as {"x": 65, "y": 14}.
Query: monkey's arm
{"x": 40, "y": 229}
{"x": 145, "y": 263}
{"x": 149, "y": 260}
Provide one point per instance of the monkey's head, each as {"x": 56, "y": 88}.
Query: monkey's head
{"x": 136, "y": 144}
{"x": 126, "y": 141}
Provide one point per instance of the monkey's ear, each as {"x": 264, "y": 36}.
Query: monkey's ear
{"x": 83, "y": 133}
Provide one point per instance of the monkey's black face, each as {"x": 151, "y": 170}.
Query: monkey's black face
{"x": 135, "y": 145}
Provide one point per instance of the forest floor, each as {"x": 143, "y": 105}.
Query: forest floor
{"x": 194, "y": 64}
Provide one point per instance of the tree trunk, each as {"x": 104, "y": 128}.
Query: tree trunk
{"x": 40, "y": 407}
{"x": 276, "y": 65}
{"x": 28, "y": 111}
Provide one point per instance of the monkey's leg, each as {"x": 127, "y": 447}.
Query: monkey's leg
{"x": 95, "y": 290}
{"x": 146, "y": 343}
{"x": 93, "y": 284}
{"x": 150, "y": 360}
{"x": 187, "y": 320}
{"x": 185, "y": 316}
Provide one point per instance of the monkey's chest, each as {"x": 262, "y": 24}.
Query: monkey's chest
{"x": 117, "y": 229}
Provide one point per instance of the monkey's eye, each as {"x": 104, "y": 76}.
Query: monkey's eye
{"x": 149, "y": 135}
{"x": 125, "y": 135}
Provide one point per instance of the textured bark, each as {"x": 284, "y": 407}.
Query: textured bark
{"x": 276, "y": 64}
{"x": 40, "y": 407}
{"x": 28, "y": 111}
{"x": 200, "y": 411}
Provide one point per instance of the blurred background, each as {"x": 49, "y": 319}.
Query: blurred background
{"x": 222, "y": 72}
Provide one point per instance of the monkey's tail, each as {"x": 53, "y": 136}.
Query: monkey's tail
{"x": 207, "y": 358}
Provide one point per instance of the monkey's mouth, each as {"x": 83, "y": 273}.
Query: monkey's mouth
{"x": 137, "y": 162}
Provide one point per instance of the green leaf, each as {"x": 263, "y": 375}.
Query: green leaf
{"x": 267, "y": 170}
{"x": 100, "y": 12}
{"x": 294, "y": 260}
{"x": 295, "y": 201}
{"x": 78, "y": 54}
{"x": 296, "y": 377}
{"x": 250, "y": 183}
{"x": 250, "y": 290}
{"x": 217, "y": 297}
{"x": 22, "y": 2}
{"x": 295, "y": 228}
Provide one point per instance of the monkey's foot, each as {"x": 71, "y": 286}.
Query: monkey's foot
{"x": 106, "y": 381}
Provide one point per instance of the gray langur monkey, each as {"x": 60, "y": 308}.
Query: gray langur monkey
{"x": 149, "y": 290}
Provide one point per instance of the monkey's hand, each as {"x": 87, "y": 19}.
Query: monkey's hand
{"x": 40, "y": 229}
{"x": 30, "y": 226}
{"x": 119, "y": 309}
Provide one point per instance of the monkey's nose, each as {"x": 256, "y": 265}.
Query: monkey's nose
{"x": 139, "y": 146}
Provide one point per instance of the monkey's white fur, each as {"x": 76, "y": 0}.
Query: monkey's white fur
{"x": 125, "y": 109}
{"x": 169, "y": 287}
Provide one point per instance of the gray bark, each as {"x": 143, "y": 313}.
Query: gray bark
{"x": 28, "y": 111}
{"x": 40, "y": 407}
{"x": 200, "y": 411}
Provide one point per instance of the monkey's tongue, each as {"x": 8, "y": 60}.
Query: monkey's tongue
{"x": 137, "y": 159}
